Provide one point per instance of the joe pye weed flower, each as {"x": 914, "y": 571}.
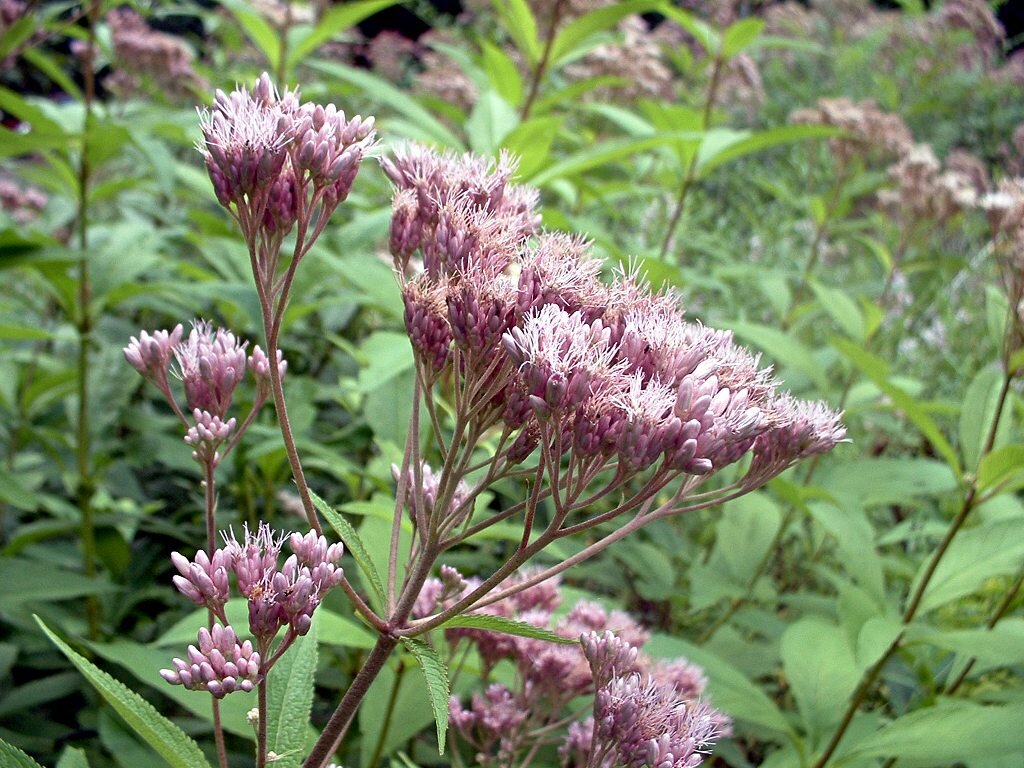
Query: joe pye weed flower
{"x": 614, "y": 407}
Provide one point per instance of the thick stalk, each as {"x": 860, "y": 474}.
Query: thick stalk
{"x": 337, "y": 726}
{"x": 261, "y": 726}
{"x": 542, "y": 65}
{"x": 86, "y": 484}
{"x": 389, "y": 713}
{"x": 914, "y": 603}
{"x": 691, "y": 169}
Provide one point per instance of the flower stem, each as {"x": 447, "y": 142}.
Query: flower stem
{"x": 691, "y": 170}
{"x": 86, "y": 485}
{"x": 340, "y": 721}
{"x": 542, "y": 65}
{"x": 914, "y": 604}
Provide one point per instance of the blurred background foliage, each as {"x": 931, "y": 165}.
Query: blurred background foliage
{"x": 844, "y": 240}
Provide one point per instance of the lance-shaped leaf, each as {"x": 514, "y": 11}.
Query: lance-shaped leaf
{"x": 507, "y": 627}
{"x": 438, "y": 689}
{"x": 353, "y": 543}
{"x": 167, "y": 739}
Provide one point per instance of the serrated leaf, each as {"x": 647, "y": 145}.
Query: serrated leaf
{"x": 507, "y": 627}
{"x": 167, "y": 739}
{"x": 12, "y": 757}
{"x": 290, "y": 699}
{"x": 438, "y": 689}
{"x": 353, "y": 544}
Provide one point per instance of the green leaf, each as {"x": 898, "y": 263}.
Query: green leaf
{"x": 531, "y": 143}
{"x": 877, "y": 370}
{"x": 502, "y": 73}
{"x": 953, "y": 731}
{"x": 290, "y": 699}
{"x": 337, "y": 19}
{"x": 1001, "y": 467}
{"x": 167, "y": 739}
{"x": 521, "y": 26}
{"x": 977, "y": 413}
{"x": 438, "y": 689}
{"x": 72, "y": 757}
{"x": 841, "y": 308}
{"x": 1001, "y": 646}
{"x": 740, "y": 36}
{"x": 975, "y": 555}
{"x": 490, "y": 121}
{"x": 708, "y": 38}
{"x": 12, "y": 757}
{"x": 576, "y": 32}
{"x": 383, "y": 93}
{"x": 867, "y": 483}
{"x": 784, "y": 348}
{"x": 821, "y": 671}
{"x": 259, "y": 31}
{"x": 742, "y": 143}
{"x": 353, "y": 544}
{"x": 506, "y": 626}
{"x": 608, "y": 152}
{"x": 28, "y": 581}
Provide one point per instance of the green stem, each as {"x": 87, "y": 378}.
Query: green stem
{"x": 914, "y": 604}
{"x": 542, "y": 65}
{"x": 995, "y": 618}
{"x": 86, "y": 486}
{"x": 691, "y": 170}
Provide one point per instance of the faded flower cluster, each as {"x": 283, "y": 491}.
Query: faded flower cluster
{"x": 871, "y": 131}
{"x": 140, "y": 51}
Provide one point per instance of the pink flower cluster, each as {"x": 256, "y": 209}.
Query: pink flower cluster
{"x": 279, "y": 596}
{"x": 210, "y": 363}
{"x": 275, "y": 161}
{"x": 549, "y": 676}
{"x": 220, "y": 664}
{"x": 608, "y": 373}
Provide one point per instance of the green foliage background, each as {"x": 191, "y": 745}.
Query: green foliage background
{"x": 794, "y": 599}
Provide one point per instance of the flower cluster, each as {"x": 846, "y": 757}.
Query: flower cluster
{"x": 497, "y": 721}
{"x": 22, "y": 203}
{"x": 871, "y": 131}
{"x": 640, "y": 719}
{"x": 141, "y": 51}
{"x": 210, "y": 363}
{"x": 610, "y": 375}
{"x": 275, "y": 161}
{"x": 278, "y": 595}
{"x": 220, "y": 664}
{"x": 923, "y": 191}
